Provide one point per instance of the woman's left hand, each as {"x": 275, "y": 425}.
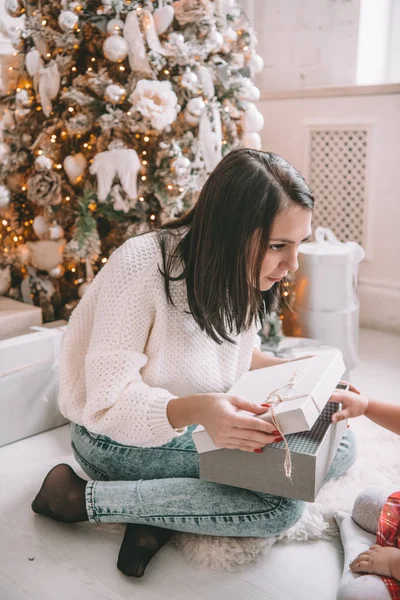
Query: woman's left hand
{"x": 377, "y": 560}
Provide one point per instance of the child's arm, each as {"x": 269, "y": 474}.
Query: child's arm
{"x": 383, "y": 413}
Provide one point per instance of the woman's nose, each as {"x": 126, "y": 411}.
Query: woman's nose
{"x": 290, "y": 263}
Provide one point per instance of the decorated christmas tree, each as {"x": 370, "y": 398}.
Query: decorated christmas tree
{"x": 115, "y": 116}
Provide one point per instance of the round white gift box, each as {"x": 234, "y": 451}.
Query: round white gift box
{"x": 327, "y": 277}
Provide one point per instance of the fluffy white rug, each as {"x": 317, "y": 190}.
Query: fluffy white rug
{"x": 378, "y": 464}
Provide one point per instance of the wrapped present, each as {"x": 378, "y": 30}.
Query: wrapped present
{"x": 297, "y": 391}
{"x": 311, "y": 454}
{"x": 29, "y": 383}
{"x": 16, "y": 317}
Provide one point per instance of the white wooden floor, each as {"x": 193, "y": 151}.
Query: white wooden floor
{"x": 44, "y": 560}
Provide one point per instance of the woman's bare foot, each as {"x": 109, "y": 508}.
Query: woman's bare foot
{"x": 62, "y": 496}
{"x": 140, "y": 544}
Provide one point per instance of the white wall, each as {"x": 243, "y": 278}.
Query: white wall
{"x": 305, "y": 43}
{"x": 285, "y": 132}
{"x": 321, "y": 43}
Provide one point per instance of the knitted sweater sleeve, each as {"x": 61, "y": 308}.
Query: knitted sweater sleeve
{"x": 119, "y": 404}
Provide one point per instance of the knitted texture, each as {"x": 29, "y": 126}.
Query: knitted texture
{"x": 127, "y": 351}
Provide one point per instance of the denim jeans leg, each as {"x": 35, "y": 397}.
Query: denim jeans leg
{"x": 160, "y": 486}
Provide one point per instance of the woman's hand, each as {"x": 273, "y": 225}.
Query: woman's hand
{"x": 229, "y": 428}
{"x": 377, "y": 560}
{"x": 354, "y": 404}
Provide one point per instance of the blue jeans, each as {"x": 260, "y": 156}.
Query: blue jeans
{"x": 160, "y": 486}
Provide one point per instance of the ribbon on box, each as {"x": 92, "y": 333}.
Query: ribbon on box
{"x": 279, "y": 396}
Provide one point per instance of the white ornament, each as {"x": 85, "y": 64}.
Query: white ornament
{"x": 40, "y": 226}
{"x": 75, "y": 166}
{"x": 230, "y": 35}
{"x": 4, "y": 150}
{"x": 68, "y": 20}
{"x": 137, "y": 53}
{"x": 23, "y": 98}
{"x": 56, "y": 232}
{"x": 156, "y": 101}
{"x": 252, "y": 120}
{"x": 193, "y": 111}
{"x": 181, "y": 165}
{"x": 163, "y": 17}
{"x": 57, "y": 271}
{"x": 206, "y": 81}
{"x": 23, "y": 254}
{"x": 15, "y": 8}
{"x": 248, "y": 91}
{"x": 33, "y": 61}
{"x": 49, "y": 86}
{"x": 115, "y": 93}
{"x": 215, "y": 40}
{"x": 43, "y": 162}
{"x": 115, "y": 48}
{"x": 115, "y": 26}
{"x": 255, "y": 64}
{"x": 252, "y": 140}
{"x": 123, "y": 162}
{"x": 46, "y": 254}
{"x": 83, "y": 288}
{"x": 5, "y": 280}
{"x": 5, "y": 196}
{"x": 189, "y": 78}
{"x": 176, "y": 38}
{"x": 210, "y": 136}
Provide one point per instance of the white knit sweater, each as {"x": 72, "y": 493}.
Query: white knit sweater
{"x": 127, "y": 351}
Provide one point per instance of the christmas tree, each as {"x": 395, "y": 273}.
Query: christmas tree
{"x": 115, "y": 116}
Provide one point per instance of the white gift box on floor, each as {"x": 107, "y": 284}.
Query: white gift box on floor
{"x": 314, "y": 379}
{"x": 29, "y": 384}
{"x": 16, "y": 317}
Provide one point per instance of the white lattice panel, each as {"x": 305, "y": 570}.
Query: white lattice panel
{"x": 337, "y": 176}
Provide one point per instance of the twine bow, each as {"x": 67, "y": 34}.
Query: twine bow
{"x": 278, "y": 396}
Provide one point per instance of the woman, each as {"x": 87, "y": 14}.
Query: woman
{"x": 165, "y": 329}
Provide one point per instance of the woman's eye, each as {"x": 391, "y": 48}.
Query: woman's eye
{"x": 277, "y": 246}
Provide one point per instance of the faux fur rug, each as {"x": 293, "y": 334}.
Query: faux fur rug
{"x": 378, "y": 464}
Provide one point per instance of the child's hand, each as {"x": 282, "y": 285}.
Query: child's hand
{"x": 377, "y": 560}
{"x": 354, "y": 405}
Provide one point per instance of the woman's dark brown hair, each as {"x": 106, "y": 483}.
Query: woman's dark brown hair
{"x": 239, "y": 202}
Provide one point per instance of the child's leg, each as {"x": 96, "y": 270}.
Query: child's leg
{"x": 358, "y": 533}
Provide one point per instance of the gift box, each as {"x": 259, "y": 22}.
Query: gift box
{"x": 16, "y": 317}
{"x": 311, "y": 454}
{"x": 29, "y": 383}
{"x": 298, "y": 390}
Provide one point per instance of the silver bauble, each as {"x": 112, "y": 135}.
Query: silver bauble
{"x": 115, "y": 26}
{"x": 5, "y": 196}
{"x": 68, "y": 20}
{"x": 115, "y": 93}
{"x": 43, "y": 162}
{"x": 193, "y": 110}
{"x": 115, "y": 48}
{"x": 24, "y": 98}
{"x": 57, "y": 271}
{"x": 181, "y": 165}
{"x": 189, "y": 78}
{"x": 15, "y": 8}
{"x": 56, "y": 232}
